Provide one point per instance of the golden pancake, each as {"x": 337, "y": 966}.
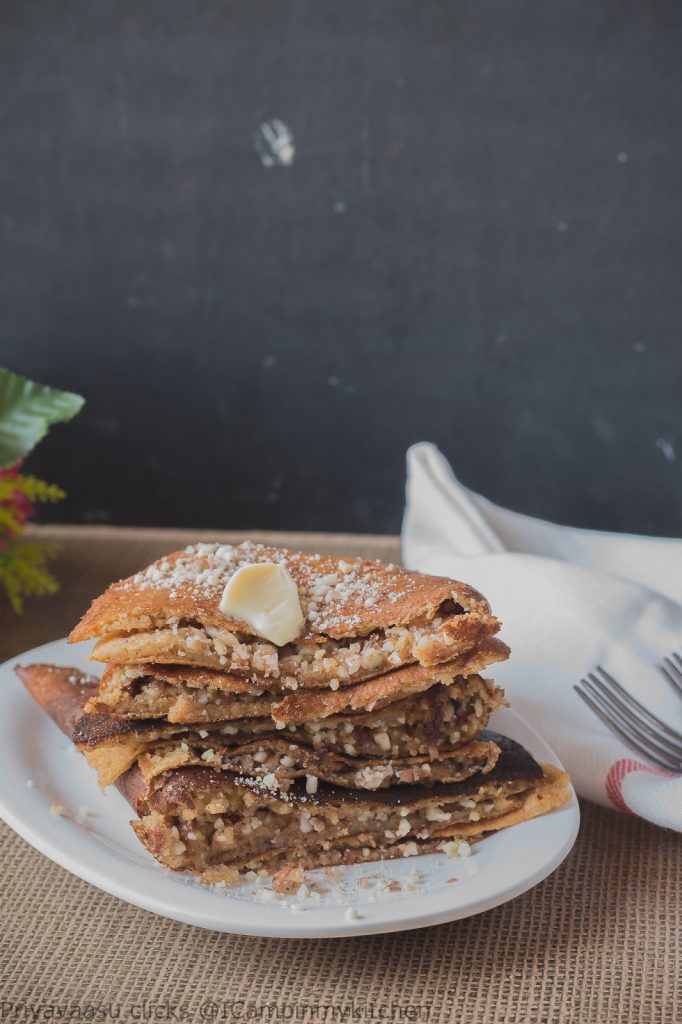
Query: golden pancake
{"x": 361, "y": 618}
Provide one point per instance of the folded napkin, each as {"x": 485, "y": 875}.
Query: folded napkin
{"x": 569, "y": 600}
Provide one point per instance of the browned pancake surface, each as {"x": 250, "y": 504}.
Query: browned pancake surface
{"x": 339, "y": 597}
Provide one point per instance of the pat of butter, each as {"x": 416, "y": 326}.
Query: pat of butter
{"x": 266, "y": 597}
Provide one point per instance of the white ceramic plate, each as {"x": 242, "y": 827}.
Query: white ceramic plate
{"x": 39, "y": 768}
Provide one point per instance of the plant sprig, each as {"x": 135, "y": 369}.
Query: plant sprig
{"x": 27, "y": 410}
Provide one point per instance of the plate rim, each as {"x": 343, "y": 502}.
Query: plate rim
{"x": 291, "y": 925}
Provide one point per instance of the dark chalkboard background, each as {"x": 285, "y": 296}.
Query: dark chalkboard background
{"x": 479, "y": 242}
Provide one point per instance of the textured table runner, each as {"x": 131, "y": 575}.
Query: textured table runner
{"x": 600, "y": 940}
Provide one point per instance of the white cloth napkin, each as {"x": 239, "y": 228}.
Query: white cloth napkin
{"x": 569, "y": 600}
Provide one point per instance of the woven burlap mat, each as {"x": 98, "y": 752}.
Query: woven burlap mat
{"x": 597, "y": 941}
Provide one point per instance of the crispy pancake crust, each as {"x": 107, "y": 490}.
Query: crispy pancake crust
{"x": 63, "y": 693}
{"x": 67, "y": 694}
{"x": 552, "y": 793}
{"x": 188, "y": 585}
{"x": 337, "y": 769}
{"x": 52, "y": 688}
{"x": 190, "y": 685}
{"x": 111, "y": 745}
{"x": 178, "y": 788}
{"x": 517, "y": 785}
{"x": 307, "y": 705}
{"x": 193, "y": 645}
{"x": 168, "y": 808}
{"x": 544, "y": 796}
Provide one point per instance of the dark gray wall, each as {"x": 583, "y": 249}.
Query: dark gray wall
{"x": 479, "y": 242}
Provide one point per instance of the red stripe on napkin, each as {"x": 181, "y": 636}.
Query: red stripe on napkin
{"x": 618, "y": 771}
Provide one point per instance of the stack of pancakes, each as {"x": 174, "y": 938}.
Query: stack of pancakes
{"x": 361, "y": 739}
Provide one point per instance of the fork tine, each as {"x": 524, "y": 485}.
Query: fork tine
{"x": 636, "y": 721}
{"x": 629, "y": 729}
{"x": 629, "y": 699}
{"x": 672, "y": 672}
{"x": 628, "y": 739}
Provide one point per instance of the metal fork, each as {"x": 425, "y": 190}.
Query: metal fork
{"x": 672, "y": 670}
{"x": 634, "y": 723}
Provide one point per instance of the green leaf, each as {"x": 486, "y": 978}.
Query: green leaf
{"x": 27, "y": 411}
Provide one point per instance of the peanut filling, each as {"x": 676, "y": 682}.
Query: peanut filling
{"x": 238, "y": 829}
{"x": 278, "y": 769}
{"x": 442, "y": 715}
{"x": 301, "y": 664}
